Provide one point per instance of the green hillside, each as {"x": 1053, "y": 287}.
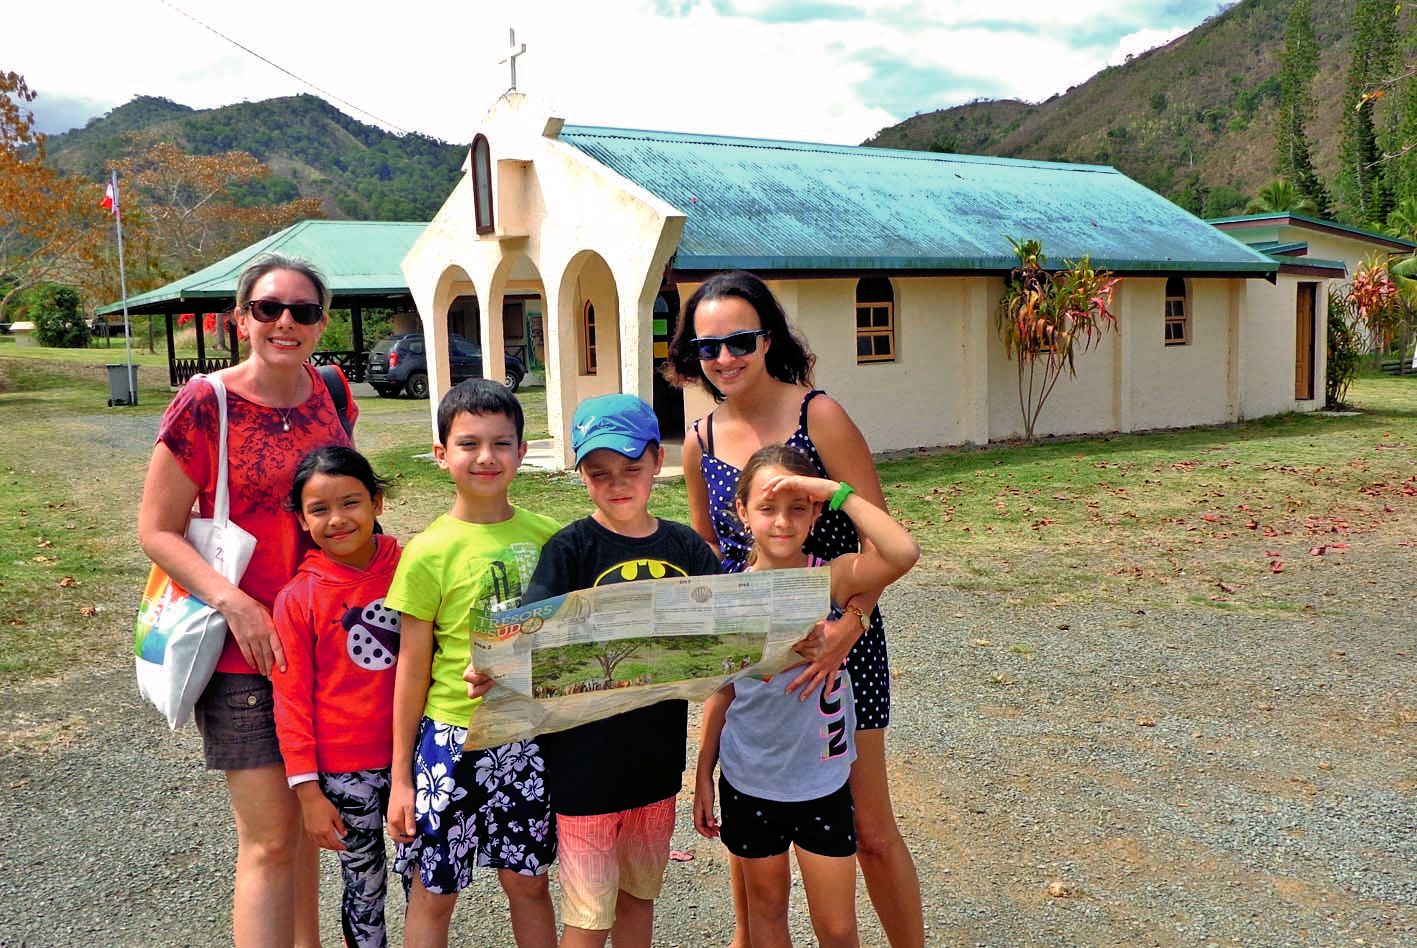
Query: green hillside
{"x": 1193, "y": 120}
{"x": 312, "y": 148}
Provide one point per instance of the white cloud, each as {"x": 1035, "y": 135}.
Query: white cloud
{"x": 432, "y": 65}
{"x": 1134, "y": 44}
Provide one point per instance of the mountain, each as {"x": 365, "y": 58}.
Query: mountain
{"x": 1193, "y": 120}
{"x": 312, "y": 148}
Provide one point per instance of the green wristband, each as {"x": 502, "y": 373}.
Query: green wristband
{"x": 843, "y": 491}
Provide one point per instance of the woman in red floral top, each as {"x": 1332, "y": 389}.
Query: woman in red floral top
{"x": 278, "y": 410}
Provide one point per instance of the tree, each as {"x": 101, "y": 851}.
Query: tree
{"x": 54, "y": 310}
{"x": 1345, "y": 347}
{"x": 1402, "y": 222}
{"x": 1363, "y": 186}
{"x": 182, "y": 211}
{"x": 49, "y": 222}
{"x": 1279, "y": 197}
{"x": 1298, "y": 63}
{"x": 1374, "y": 294}
{"x": 1045, "y": 319}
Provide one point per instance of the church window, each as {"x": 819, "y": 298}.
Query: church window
{"x": 482, "y": 184}
{"x": 588, "y": 360}
{"x": 875, "y": 320}
{"x": 1178, "y": 328}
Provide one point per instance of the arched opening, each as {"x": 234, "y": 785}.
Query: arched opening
{"x": 590, "y": 326}
{"x": 668, "y": 401}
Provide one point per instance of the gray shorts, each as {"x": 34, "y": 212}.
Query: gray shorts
{"x": 236, "y": 717}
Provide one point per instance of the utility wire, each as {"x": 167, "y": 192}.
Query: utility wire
{"x": 303, "y": 81}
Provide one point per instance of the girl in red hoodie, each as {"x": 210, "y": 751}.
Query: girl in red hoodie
{"x": 334, "y": 701}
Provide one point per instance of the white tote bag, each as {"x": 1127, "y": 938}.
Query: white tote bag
{"x": 178, "y": 638}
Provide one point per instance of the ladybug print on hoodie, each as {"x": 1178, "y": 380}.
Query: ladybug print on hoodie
{"x": 373, "y": 635}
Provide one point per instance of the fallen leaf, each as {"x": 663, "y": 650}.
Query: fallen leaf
{"x": 67, "y": 582}
{"x": 1058, "y": 889}
{"x": 1264, "y": 707}
{"x": 981, "y": 643}
{"x": 1272, "y": 554}
{"x": 1226, "y": 587}
{"x": 1317, "y": 550}
{"x": 681, "y": 855}
{"x": 1146, "y": 722}
{"x": 1276, "y": 566}
{"x": 88, "y": 612}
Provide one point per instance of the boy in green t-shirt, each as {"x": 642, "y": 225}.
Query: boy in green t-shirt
{"x": 448, "y": 810}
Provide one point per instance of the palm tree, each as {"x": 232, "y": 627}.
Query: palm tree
{"x": 1278, "y": 197}
{"x": 1402, "y": 222}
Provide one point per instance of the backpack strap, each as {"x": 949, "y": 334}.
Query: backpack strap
{"x": 338, "y": 388}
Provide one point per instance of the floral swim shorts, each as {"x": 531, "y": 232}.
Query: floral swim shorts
{"x": 487, "y": 808}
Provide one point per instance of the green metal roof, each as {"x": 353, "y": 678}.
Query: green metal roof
{"x": 1335, "y": 268}
{"x": 1276, "y": 248}
{"x": 775, "y": 205}
{"x": 357, "y": 258}
{"x": 1316, "y": 223}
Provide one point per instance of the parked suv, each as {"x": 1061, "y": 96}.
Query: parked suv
{"x": 400, "y": 364}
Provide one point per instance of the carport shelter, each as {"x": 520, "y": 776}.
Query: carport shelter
{"x": 359, "y": 259}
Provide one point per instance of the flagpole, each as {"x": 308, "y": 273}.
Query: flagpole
{"x": 123, "y": 288}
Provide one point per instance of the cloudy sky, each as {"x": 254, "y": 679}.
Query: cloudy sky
{"x": 815, "y": 70}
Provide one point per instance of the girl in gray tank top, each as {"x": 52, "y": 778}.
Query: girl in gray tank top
{"x": 784, "y": 757}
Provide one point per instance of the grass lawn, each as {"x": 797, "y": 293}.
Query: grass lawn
{"x": 1202, "y": 516}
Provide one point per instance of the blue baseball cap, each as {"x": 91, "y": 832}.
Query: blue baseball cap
{"x": 622, "y": 423}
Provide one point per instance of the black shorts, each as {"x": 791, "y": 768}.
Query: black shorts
{"x": 754, "y": 828}
{"x": 236, "y": 716}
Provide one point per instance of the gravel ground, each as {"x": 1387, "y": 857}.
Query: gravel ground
{"x": 1089, "y": 775}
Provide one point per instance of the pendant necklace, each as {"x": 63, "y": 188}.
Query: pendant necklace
{"x": 284, "y": 419}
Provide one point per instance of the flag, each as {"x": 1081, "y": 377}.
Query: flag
{"x": 110, "y": 196}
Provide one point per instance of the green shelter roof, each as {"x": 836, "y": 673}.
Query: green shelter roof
{"x": 792, "y": 206}
{"x": 1307, "y": 222}
{"x": 357, "y": 258}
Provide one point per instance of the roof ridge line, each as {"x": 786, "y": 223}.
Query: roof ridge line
{"x": 825, "y": 148}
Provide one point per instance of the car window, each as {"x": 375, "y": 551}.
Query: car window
{"x": 464, "y": 348}
{"x": 415, "y": 346}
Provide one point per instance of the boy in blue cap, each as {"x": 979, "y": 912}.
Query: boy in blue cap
{"x": 613, "y": 782}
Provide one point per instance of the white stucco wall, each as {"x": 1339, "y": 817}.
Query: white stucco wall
{"x": 1178, "y": 385}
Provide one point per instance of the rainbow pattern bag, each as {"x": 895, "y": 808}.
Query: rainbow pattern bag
{"x": 178, "y": 638}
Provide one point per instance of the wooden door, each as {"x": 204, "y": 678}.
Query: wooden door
{"x": 1304, "y": 317}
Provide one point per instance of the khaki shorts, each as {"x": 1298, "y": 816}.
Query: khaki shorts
{"x": 236, "y": 717}
{"x": 602, "y": 856}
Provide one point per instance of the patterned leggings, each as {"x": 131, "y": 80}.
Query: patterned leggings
{"x": 362, "y": 798}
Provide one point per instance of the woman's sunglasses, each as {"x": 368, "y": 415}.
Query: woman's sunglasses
{"x": 738, "y": 343}
{"x": 268, "y": 311}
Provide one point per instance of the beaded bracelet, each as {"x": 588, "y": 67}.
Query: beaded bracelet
{"x": 843, "y": 491}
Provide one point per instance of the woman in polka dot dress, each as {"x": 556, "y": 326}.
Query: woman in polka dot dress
{"x": 734, "y": 339}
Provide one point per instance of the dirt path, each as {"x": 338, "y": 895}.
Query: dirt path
{"x": 1100, "y": 773}
{"x": 1181, "y": 777}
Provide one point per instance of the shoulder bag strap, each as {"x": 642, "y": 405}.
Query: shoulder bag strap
{"x": 221, "y": 502}
{"x": 339, "y": 394}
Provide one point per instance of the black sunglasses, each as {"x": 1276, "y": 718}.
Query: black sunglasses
{"x": 268, "y": 311}
{"x": 738, "y": 343}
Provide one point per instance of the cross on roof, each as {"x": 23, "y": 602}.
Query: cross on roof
{"x": 513, "y": 51}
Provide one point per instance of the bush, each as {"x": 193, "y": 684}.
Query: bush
{"x": 54, "y": 310}
{"x": 1345, "y": 349}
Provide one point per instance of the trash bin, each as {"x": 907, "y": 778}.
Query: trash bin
{"x": 119, "y": 385}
